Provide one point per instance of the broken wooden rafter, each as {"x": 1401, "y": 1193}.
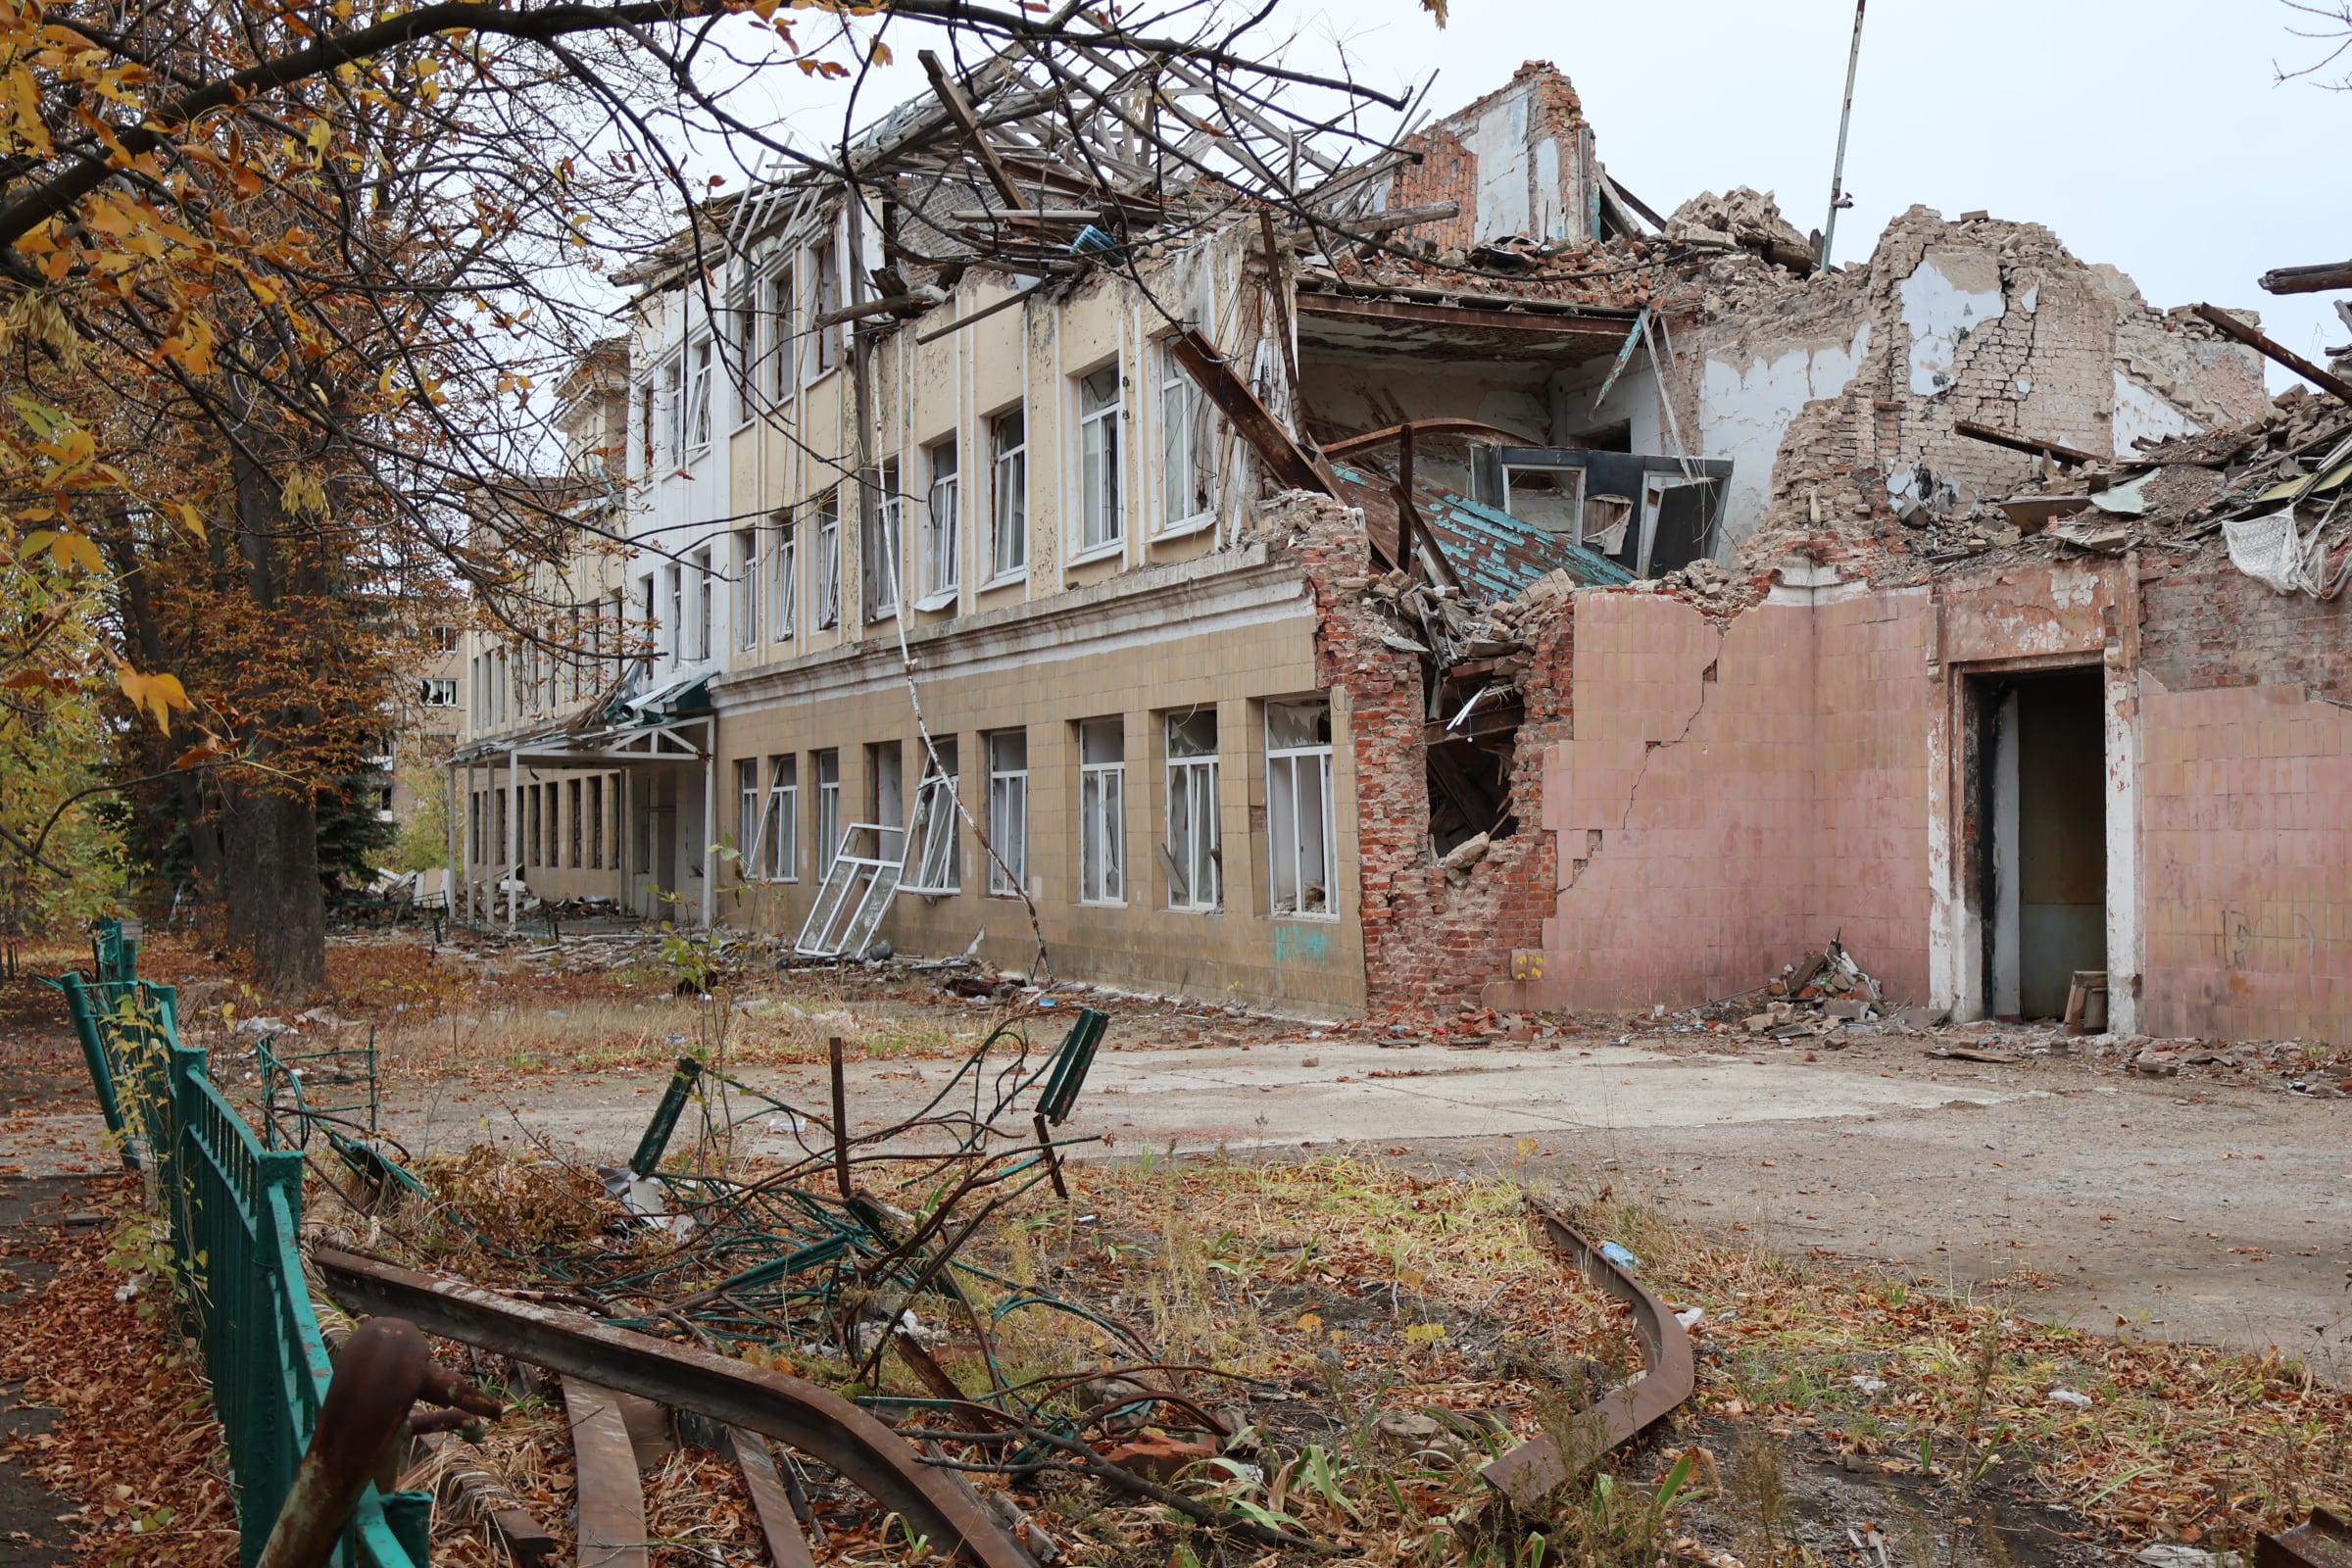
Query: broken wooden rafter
{"x": 2307, "y": 280}
{"x": 1521, "y": 315}
{"x": 950, "y": 100}
{"x": 1424, "y": 428}
{"x": 2229, "y": 327}
{"x": 2033, "y": 445}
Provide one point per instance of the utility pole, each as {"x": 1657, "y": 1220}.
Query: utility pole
{"x": 1845, "y": 115}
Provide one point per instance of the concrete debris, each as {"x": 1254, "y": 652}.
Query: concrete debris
{"x": 1740, "y": 217}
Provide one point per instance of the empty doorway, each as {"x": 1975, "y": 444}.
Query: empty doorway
{"x": 2041, "y": 836}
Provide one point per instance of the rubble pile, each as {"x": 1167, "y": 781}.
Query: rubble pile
{"x": 1747, "y": 219}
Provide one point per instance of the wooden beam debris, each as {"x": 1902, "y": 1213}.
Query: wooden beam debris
{"x": 2307, "y": 280}
{"x": 2229, "y": 327}
{"x": 2038, "y": 446}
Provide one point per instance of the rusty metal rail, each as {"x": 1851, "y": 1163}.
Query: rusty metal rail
{"x": 798, "y": 1414}
{"x": 1535, "y": 1467}
{"x": 382, "y": 1369}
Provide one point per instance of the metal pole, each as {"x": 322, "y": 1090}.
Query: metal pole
{"x": 1853, "y": 62}
{"x": 449, "y": 887}
{"x": 709, "y": 818}
{"x": 514, "y": 834}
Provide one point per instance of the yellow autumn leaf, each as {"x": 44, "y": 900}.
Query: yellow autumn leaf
{"x": 191, "y": 347}
{"x": 158, "y": 694}
{"x": 190, "y": 518}
{"x": 72, "y": 552}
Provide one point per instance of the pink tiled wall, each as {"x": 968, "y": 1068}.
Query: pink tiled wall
{"x": 2245, "y": 859}
{"x": 1736, "y": 796}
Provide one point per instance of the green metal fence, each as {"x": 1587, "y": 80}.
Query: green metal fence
{"x": 233, "y": 1212}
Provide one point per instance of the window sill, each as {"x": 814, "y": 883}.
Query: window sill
{"x": 931, "y": 893}
{"x": 937, "y": 601}
{"x": 1316, "y": 916}
{"x": 1196, "y": 909}
{"x": 1102, "y": 904}
{"x": 1186, "y": 527}
{"x": 1103, "y": 551}
{"x": 1009, "y": 579}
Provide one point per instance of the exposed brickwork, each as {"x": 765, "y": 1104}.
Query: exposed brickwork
{"x": 1449, "y": 169}
{"x": 2221, "y": 628}
{"x": 1427, "y": 942}
{"x": 1447, "y": 173}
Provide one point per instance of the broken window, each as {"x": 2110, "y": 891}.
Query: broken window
{"x": 828, "y": 809}
{"x": 571, "y": 821}
{"x": 1195, "y": 859}
{"x": 1102, "y": 812}
{"x": 673, "y": 409}
{"x": 780, "y": 312}
{"x": 878, "y": 547}
{"x": 698, "y": 396}
{"x": 531, "y": 820}
{"x": 673, "y": 633}
{"x": 827, "y": 272}
{"x": 1008, "y": 500}
{"x": 1547, "y": 497}
{"x": 596, "y": 823}
{"x": 1100, "y": 519}
{"x": 943, "y": 564}
{"x": 783, "y": 558}
{"x": 747, "y": 588}
{"x": 886, "y": 795}
{"x": 1187, "y": 456}
{"x": 936, "y": 865}
{"x": 746, "y": 816}
{"x": 780, "y": 846}
{"x": 1009, "y": 812}
{"x": 1300, "y": 847}
{"x": 705, "y": 592}
{"x": 746, "y": 369}
{"x": 829, "y": 563}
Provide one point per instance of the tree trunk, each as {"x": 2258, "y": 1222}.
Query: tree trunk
{"x": 276, "y": 908}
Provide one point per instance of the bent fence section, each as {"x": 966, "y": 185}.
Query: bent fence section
{"x": 233, "y": 1213}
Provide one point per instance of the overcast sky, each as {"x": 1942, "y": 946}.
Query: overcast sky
{"x": 2152, "y": 135}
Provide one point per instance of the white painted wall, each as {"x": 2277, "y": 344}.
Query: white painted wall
{"x": 1744, "y": 410}
{"x": 1947, "y": 297}
{"x": 1499, "y": 141}
{"x": 2139, "y": 411}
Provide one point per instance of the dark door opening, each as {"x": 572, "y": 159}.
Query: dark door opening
{"x": 2042, "y": 839}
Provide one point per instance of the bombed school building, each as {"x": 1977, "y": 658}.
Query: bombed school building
{"x": 1460, "y": 582}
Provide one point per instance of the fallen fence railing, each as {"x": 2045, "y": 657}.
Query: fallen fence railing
{"x": 232, "y": 1211}
{"x": 1540, "y": 1465}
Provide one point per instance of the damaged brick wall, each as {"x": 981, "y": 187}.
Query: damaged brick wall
{"x": 1862, "y": 372}
{"x": 2247, "y": 847}
{"x": 1734, "y": 793}
{"x": 1432, "y": 938}
{"x": 1512, "y": 161}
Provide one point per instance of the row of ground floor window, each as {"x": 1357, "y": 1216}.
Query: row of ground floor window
{"x": 1144, "y": 807}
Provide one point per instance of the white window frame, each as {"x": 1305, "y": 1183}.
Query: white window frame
{"x": 778, "y": 291}
{"x": 780, "y": 860}
{"x": 438, "y": 691}
{"x": 745, "y": 319}
{"x": 673, "y": 409}
{"x": 1288, "y": 769}
{"x": 677, "y": 614}
{"x": 783, "y": 568}
{"x": 825, "y": 291}
{"x": 1007, "y": 815}
{"x": 1103, "y": 817}
{"x": 1193, "y": 791}
{"x": 746, "y": 816}
{"x": 706, "y": 610}
{"x": 699, "y": 356}
{"x": 1099, "y": 518}
{"x": 746, "y": 607}
{"x": 881, "y": 546}
{"x": 828, "y": 562}
{"x": 935, "y": 862}
{"x": 1186, "y": 450}
{"x": 943, "y": 527}
{"x": 1007, "y": 500}
{"x": 828, "y": 810}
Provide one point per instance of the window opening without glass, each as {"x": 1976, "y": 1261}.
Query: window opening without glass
{"x": 1193, "y": 855}
{"x": 1300, "y": 846}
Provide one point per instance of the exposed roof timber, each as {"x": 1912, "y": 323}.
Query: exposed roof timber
{"x": 1530, "y": 317}
{"x": 1423, "y": 428}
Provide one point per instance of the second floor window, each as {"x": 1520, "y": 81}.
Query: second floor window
{"x": 942, "y": 530}
{"x": 674, "y": 633}
{"x": 1008, "y": 495}
{"x": 706, "y": 591}
{"x": 1101, "y": 516}
{"x": 438, "y": 691}
{"x": 827, "y": 280}
{"x": 1188, "y": 473}
{"x": 826, "y": 583}
{"x": 674, "y": 410}
{"x": 781, "y": 338}
{"x": 745, "y": 606}
{"x": 783, "y": 559}
{"x": 878, "y": 546}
